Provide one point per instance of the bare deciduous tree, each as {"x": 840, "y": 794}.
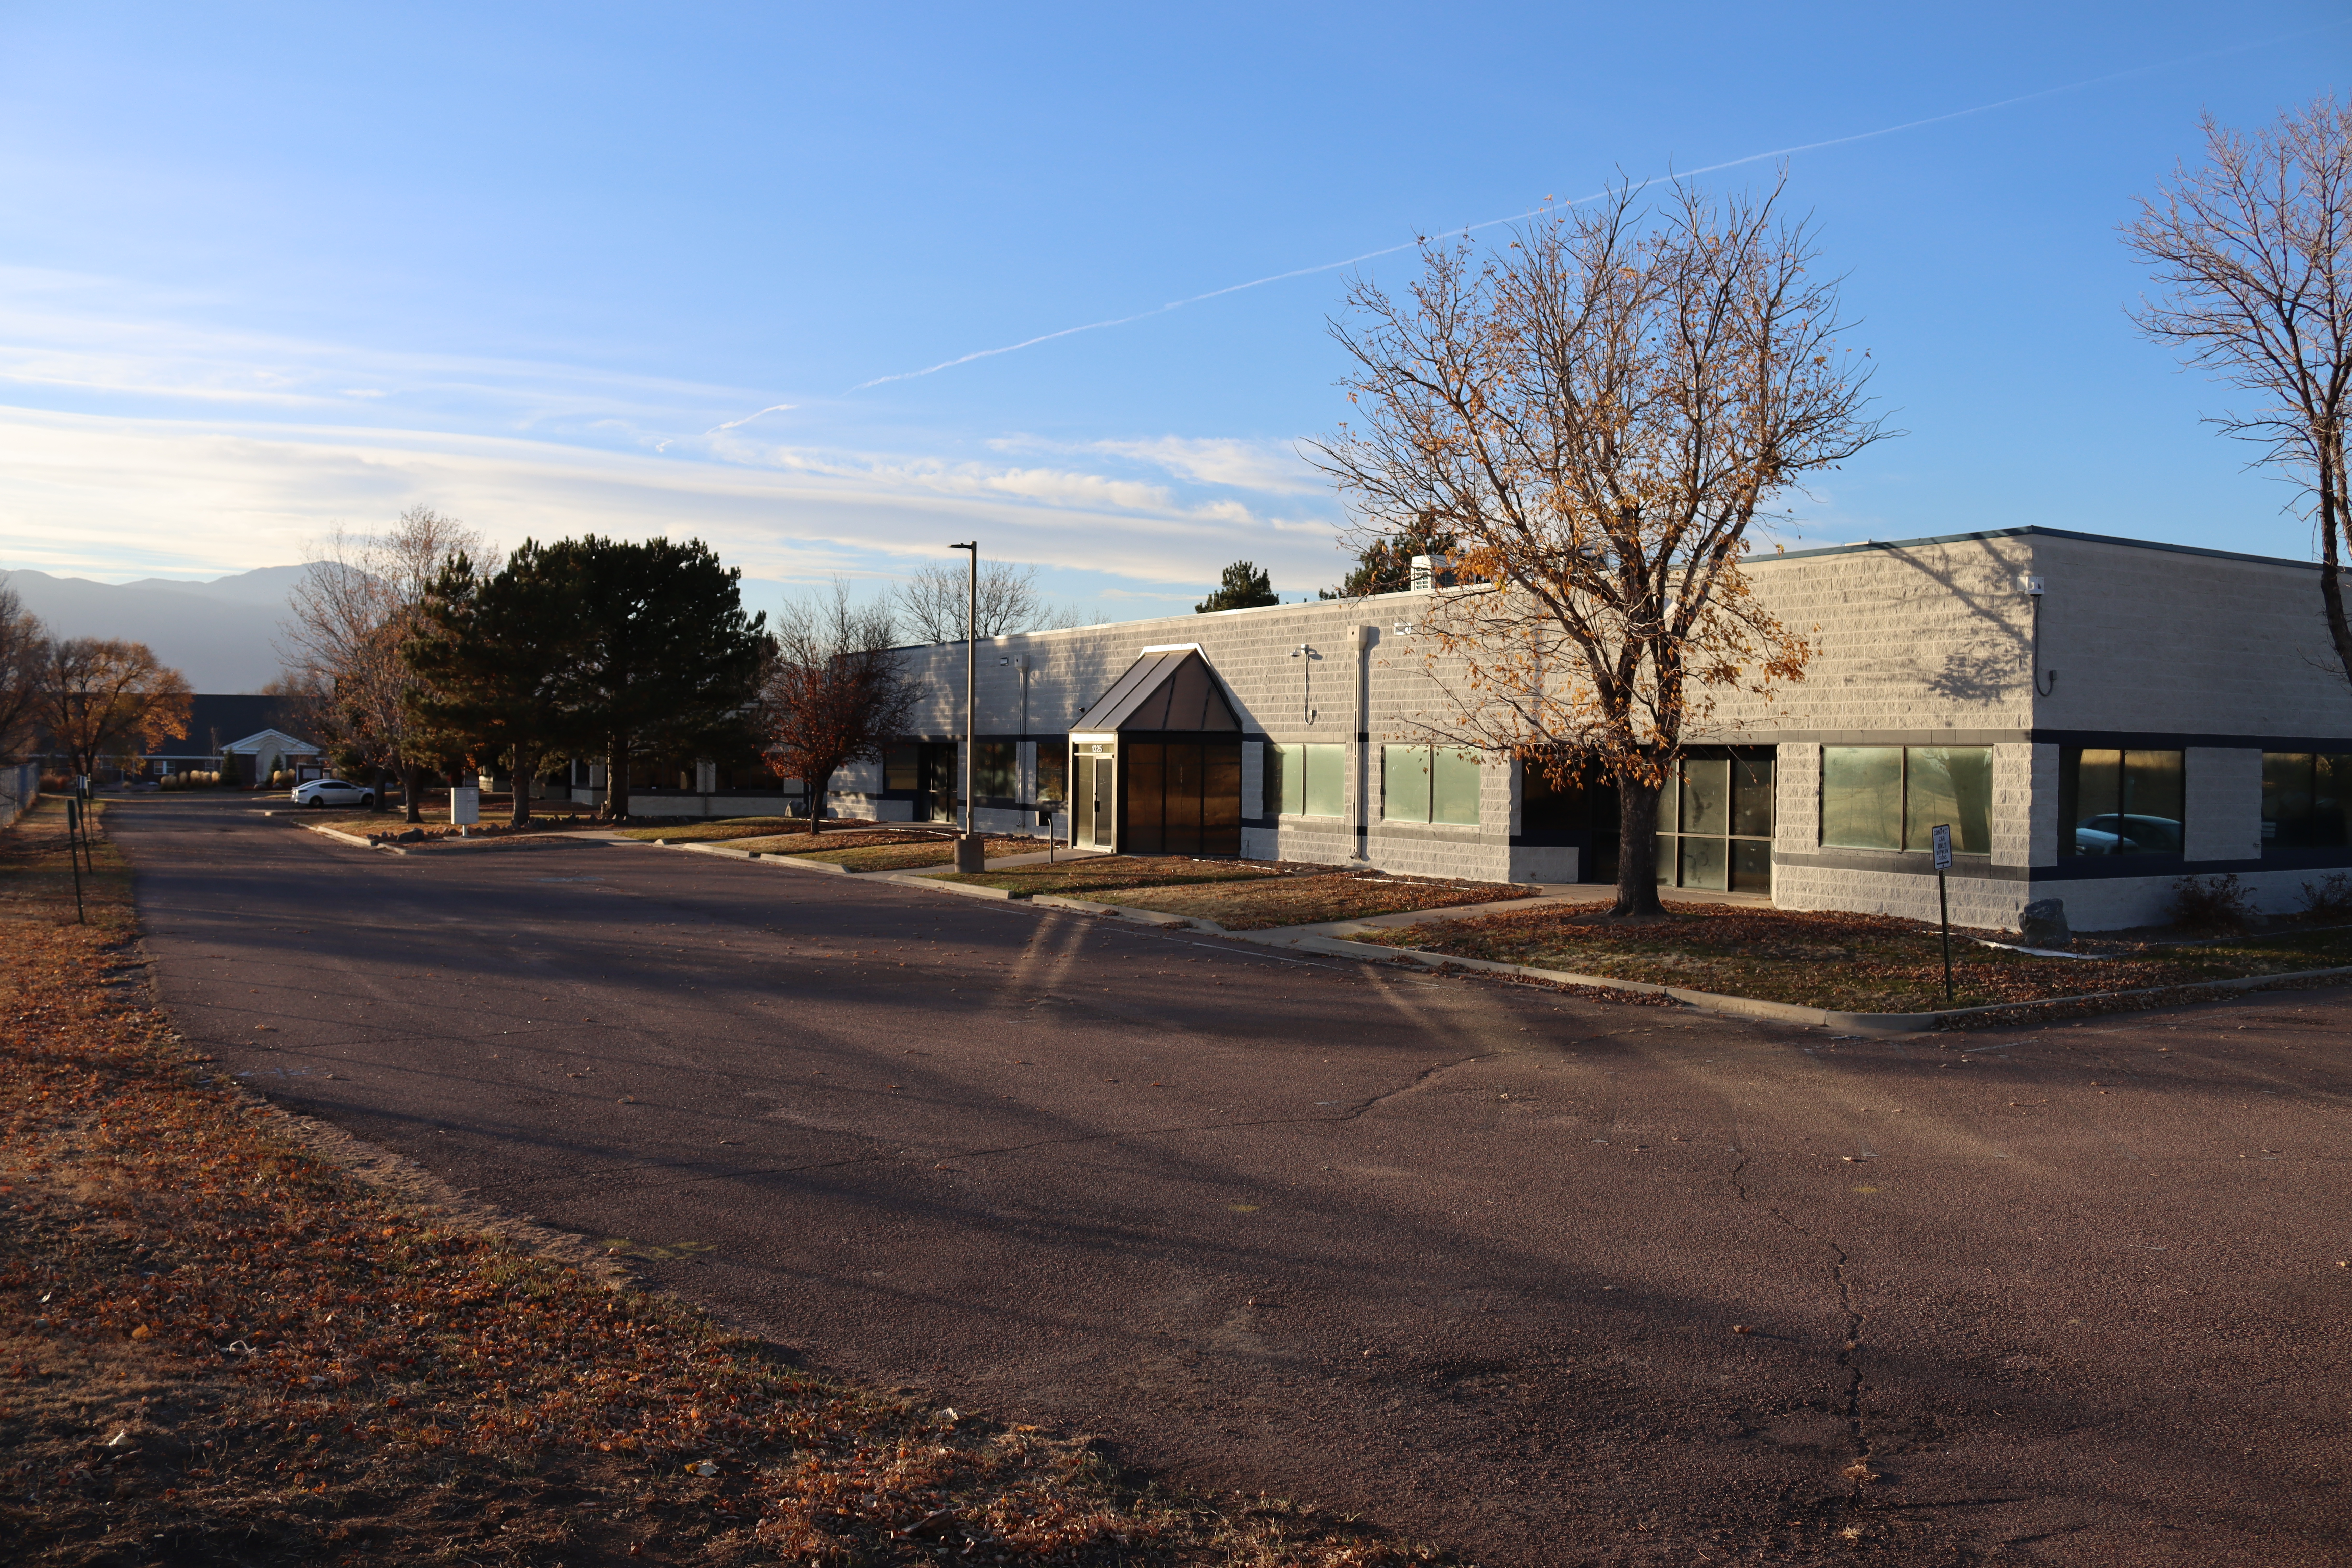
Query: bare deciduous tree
{"x": 1598, "y": 414}
{"x": 353, "y": 613}
{"x": 833, "y": 691}
{"x": 22, "y": 644}
{"x": 2255, "y": 252}
{"x": 102, "y": 698}
{"x": 930, "y": 603}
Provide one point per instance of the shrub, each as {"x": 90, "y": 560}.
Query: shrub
{"x": 2330, "y": 897}
{"x": 2212, "y": 904}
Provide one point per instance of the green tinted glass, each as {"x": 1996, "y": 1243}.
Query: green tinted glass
{"x": 1404, "y": 784}
{"x": 1326, "y": 780}
{"x": 1861, "y": 796}
{"x": 1454, "y": 786}
{"x": 1952, "y": 785}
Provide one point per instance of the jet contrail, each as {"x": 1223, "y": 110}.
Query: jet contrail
{"x": 731, "y": 424}
{"x": 1534, "y": 211}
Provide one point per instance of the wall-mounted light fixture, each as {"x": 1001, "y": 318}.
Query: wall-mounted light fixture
{"x": 1307, "y": 654}
{"x": 2030, "y": 585}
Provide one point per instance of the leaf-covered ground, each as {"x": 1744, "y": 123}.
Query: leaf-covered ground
{"x": 719, "y": 829}
{"x": 1848, "y": 962}
{"x": 1305, "y": 900}
{"x": 1089, "y": 875}
{"x": 218, "y": 1346}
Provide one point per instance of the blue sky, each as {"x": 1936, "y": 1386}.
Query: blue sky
{"x": 264, "y": 269}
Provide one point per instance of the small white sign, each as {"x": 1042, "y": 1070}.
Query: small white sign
{"x": 1941, "y": 835}
{"x": 466, "y": 806}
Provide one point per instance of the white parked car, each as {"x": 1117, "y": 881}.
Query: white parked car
{"x": 332, "y": 792}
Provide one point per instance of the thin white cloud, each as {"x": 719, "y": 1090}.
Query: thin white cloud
{"x": 95, "y": 493}
{"x": 1273, "y": 467}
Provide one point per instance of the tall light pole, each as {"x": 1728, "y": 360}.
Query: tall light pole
{"x": 966, "y": 849}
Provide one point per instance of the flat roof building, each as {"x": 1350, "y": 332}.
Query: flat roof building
{"x": 2093, "y": 717}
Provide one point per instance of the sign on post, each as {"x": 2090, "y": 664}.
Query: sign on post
{"x": 465, "y": 805}
{"x": 1940, "y": 837}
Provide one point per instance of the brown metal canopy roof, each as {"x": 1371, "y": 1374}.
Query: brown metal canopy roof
{"x": 1171, "y": 690}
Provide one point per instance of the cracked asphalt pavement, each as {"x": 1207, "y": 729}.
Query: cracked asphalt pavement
{"x": 1543, "y": 1279}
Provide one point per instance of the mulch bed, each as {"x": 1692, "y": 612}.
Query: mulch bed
{"x": 1088, "y": 874}
{"x": 1848, "y": 962}
{"x": 1308, "y": 899}
{"x": 219, "y": 1345}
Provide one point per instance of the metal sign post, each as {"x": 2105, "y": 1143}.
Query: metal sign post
{"x": 1941, "y": 837}
{"x": 73, "y": 821}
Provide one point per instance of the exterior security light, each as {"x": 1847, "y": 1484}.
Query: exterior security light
{"x": 2029, "y": 585}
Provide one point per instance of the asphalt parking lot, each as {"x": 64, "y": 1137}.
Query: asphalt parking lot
{"x": 1546, "y": 1280}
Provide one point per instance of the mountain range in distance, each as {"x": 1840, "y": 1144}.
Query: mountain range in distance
{"x": 222, "y": 635}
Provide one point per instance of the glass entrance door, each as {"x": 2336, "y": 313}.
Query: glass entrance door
{"x": 1093, "y": 820}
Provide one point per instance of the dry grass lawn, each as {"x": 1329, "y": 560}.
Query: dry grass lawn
{"x": 1086, "y": 876}
{"x": 1848, "y": 962}
{"x": 219, "y": 1346}
{"x": 1311, "y": 899}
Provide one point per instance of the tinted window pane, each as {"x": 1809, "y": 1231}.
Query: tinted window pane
{"x": 1953, "y": 786}
{"x": 898, "y": 768}
{"x": 1706, "y": 796}
{"x": 2331, "y": 799}
{"x": 1285, "y": 785}
{"x": 993, "y": 765}
{"x": 1751, "y": 866}
{"x": 1327, "y": 780}
{"x": 1404, "y": 784}
{"x": 1861, "y": 796}
{"x": 2090, "y": 792}
{"x": 1221, "y": 798}
{"x": 2153, "y": 799}
{"x": 1454, "y": 786}
{"x": 1705, "y": 863}
{"x": 1141, "y": 824}
{"x": 1544, "y": 809}
{"x": 1053, "y": 771}
{"x": 1751, "y": 797}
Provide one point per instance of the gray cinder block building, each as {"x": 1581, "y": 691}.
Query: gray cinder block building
{"x": 2093, "y": 718}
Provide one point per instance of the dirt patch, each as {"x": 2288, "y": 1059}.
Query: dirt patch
{"x": 1087, "y": 876}
{"x": 1850, "y": 962}
{"x": 723, "y": 829}
{"x": 1308, "y": 899}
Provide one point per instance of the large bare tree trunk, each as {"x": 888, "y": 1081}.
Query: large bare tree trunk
{"x": 1637, "y": 852}
{"x": 2332, "y": 524}
{"x": 412, "y": 792}
{"x": 375, "y": 791}
{"x": 817, "y": 790}
{"x": 617, "y": 780}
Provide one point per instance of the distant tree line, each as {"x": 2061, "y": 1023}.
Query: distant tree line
{"x": 421, "y": 652}
{"x": 85, "y": 701}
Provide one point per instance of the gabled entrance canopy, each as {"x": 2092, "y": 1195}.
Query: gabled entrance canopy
{"x": 1169, "y": 689}
{"x": 1157, "y": 760}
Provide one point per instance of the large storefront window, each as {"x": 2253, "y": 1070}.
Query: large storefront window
{"x": 1429, "y": 783}
{"x": 1307, "y": 780}
{"x": 1053, "y": 771}
{"x": 2119, "y": 802}
{"x": 2307, "y": 800}
{"x": 1715, "y": 821}
{"x": 1893, "y": 797}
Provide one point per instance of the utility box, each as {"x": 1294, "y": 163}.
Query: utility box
{"x": 465, "y": 805}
